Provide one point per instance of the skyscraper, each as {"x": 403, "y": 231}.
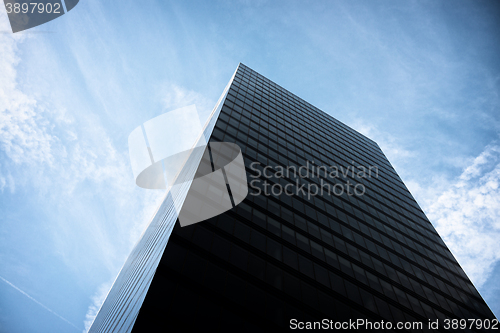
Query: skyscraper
{"x": 328, "y": 237}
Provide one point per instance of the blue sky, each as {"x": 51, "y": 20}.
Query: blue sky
{"x": 420, "y": 78}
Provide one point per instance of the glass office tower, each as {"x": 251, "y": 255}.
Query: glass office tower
{"x": 327, "y": 236}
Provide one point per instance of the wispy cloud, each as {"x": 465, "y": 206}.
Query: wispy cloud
{"x": 395, "y": 152}
{"x": 174, "y": 96}
{"x": 7, "y": 182}
{"x": 97, "y": 300}
{"x": 21, "y": 138}
{"x": 467, "y": 215}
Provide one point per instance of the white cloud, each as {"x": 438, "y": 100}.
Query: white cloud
{"x": 389, "y": 145}
{"x": 20, "y": 136}
{"x": 41, "y": 135}
{"x": 467, "y": 215}
{"x": 480, "y": 163}
{"x": 7, "y": 183}
{"x": 97, "y": 300}
{"x": 174, "y": 96}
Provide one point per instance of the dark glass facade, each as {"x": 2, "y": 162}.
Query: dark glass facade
{"x": 277, "y": 257}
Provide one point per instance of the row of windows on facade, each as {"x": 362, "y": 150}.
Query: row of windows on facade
{"x": 282, "y": 118}
{"x": 315, "y": 138}
{"x": 352, "y": 242}
{"x": 391, "y": 244}
{"x": 298, "y": 106}
{"x": 297, "y": 138}
{"x": 401, "y": 236}
{"x": 335, "y": 212}
{"x": 349, "y": 250}
{"x": 408, "y": 200}
{"x": 261, "y": 137}
{"x": 254, "y": 79}
{"x": 273, "y": 154}
{"x": 358, "y": 230}
{"x": 287, "y": 115}
{"x": 299, "y": 201}
{"x": 342, "y": 152}
{"x": 289, "y": 156}
{"x": 370, "y": 194}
